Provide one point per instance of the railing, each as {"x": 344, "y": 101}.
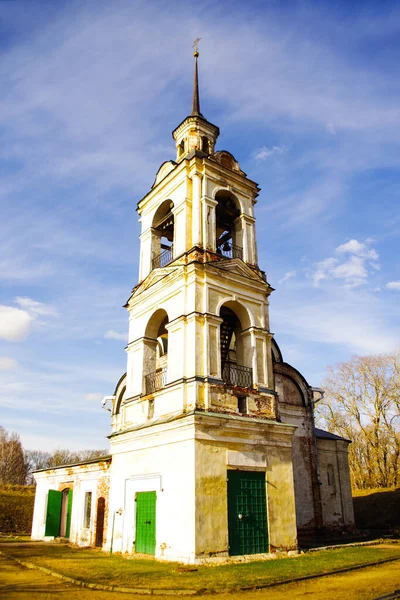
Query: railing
{"x": 229, "y": 250}
{"x": 237, "y": 375}
{"x": 162, "y": 259}
{"x": 156, "y": 380}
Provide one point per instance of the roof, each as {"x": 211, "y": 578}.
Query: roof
{"x": 325, "y": 435}
{"x": 77, "y": 464}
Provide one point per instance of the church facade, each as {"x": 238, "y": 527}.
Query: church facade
{"x": 213, "y": 446}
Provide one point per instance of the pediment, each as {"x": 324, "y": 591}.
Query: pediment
{"x": 163, "y": 171}
{"x": 152, "y": 279}
{"x": 238, "y": 267}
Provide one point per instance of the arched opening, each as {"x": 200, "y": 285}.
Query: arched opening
{"x": 156, "y": 352}
{"x": 228, "y": 226}
{"x": 235, "y": 354}
{"x": 163, "y": 235}
{"x": 101, "y": 509}
{"x": 181, "y": 149}
{"x": 205, "y": 144}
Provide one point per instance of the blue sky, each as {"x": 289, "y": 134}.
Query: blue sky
{"x": 306, "y": 95}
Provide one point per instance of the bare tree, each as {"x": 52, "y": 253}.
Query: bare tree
{"x": 40, "y": 459}
{"x": 12, "y": 461}
{"x": 362, "y": 403}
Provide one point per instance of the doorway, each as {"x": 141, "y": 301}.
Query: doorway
{"x": 58, "y": 513}
{"x": 146, "y": 522}
{"x": 247, "y": 513}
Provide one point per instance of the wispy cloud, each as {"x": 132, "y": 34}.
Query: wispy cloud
{"x": 35, "y": 308}
{"x": 393, "y": 285}
{"x": 287, "y": 276}
{"x": 114, "y": 335}
{"x": 93, "y": 397}
{"x": 7, "y": 364}
{"x": 264, "y": 152}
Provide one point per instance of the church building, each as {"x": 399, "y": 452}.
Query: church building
{"x": 213, "y": 446}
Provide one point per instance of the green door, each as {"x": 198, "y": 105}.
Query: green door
{"x": 53, "y": 513}
{"x": 69, "y": 510}
{"x": 146, "y": 522}
{"x": 247, "y": 513}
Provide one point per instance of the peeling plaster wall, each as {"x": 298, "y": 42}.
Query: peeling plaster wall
{"x": 222, "y": 444}
{"x": 337, "y": 503}
{"x": 292, "y": 410}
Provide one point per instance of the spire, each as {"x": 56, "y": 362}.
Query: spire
{"x": 196, "y": 98}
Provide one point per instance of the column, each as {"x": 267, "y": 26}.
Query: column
{"x": 212, "y": 346}
{"x": 196, "y": 210}
{"x": 208, "y": 218}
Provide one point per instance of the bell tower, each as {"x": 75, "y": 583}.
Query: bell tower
{"x": 198, "y": 398}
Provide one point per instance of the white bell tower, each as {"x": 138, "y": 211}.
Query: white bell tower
{"x": 198, "y": 397}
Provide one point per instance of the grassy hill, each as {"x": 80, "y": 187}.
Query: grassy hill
{"x": 377, "y": 509}
{"x": 16, "y": 508}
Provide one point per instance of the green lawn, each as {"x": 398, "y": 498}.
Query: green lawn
{"x": 99, "y": 567}
{"x": 14, "y": 538}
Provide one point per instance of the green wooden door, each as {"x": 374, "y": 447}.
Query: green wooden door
{"x": 69, "y": 510}
{"x": 146, "y": 522}
{"x": 247, "y": 513}
{"x": 53, "y": 513}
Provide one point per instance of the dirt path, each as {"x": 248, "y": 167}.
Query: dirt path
{"x": 20, "y": 583}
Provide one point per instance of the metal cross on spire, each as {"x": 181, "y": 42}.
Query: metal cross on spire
{"x": 196, "y": 47}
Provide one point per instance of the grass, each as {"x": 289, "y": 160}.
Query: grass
{"x": 99, "y": 567}
{"x": 9, "y": 538}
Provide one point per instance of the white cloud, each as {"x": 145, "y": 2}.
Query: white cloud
{"x": 357, "y": 248}
{"x": 393, "y": 285}
{"x": 7, "y": 364}
{"x": 264, "y": 152}
{"x": 287, "y": 276}
{"x": 114, "y": 335}
{"x": 353, "y": 271}
{"x": 15, "y": 324}
{"x": 35, "y": 308}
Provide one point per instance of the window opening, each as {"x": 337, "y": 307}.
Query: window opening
{"x": 87, "y": 512}
{"x": 331, "y": 479}
{"x": 150, "y": 409}
{"x": 242, "y": 405}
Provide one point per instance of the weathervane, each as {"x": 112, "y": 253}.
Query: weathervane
{"x": 196, "y": 48}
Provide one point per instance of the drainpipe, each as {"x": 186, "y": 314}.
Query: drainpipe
{"x": 117, "y": 512}
{"x": 313, "y": 402}
{"x": 316, "y": 390}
